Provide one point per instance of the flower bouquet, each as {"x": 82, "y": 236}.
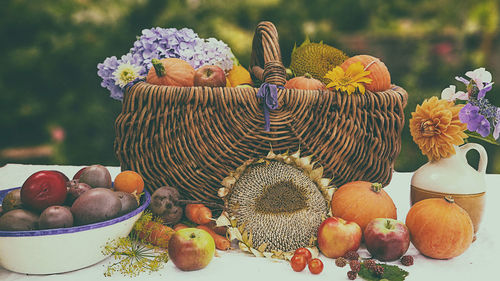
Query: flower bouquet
{"x": 437, "y": 125}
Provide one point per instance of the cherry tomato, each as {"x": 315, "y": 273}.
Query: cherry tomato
{"x": 304, "y": 252}
{"x": 298, "y": 262}
{"x": 315, "y": 266}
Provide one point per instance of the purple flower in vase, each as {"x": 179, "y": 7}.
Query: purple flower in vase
{"x": 480, "y": 125}
{"x": 484, "y": 90}
{"x": 463, "y": 80}
{"x": 468, "y": 113}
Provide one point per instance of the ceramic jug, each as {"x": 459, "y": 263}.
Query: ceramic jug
{"x": 453, "y": 176}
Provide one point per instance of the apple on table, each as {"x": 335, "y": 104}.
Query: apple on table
{"x": 386, "y": 239}
{"x": 191, "y": 249}
{"x": 337, "y": 236}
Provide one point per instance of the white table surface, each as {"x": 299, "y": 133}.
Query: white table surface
{"x": 477, "y": 263}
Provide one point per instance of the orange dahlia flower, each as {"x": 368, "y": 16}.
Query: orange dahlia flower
{"x": 436, "y": 127}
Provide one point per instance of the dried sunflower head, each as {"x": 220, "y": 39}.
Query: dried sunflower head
{"x": 276, "y": 204}
{"x": 435, "y": 127}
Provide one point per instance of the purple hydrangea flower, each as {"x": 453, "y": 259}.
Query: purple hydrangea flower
{"x": 480, "y": 125}
{"x": 105, "y": 71}
{"x": 159, "y": 43}
{"x": 468, "y": 113}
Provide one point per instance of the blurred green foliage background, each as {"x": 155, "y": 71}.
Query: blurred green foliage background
{"x": 54, "y": 111}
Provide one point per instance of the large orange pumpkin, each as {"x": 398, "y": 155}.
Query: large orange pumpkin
{"x": 439, "y": 228}
{"x": 171, "y": 72}
{"x": 381, "y": 78}
{"x": 306, "y": 82}
{"x": 361, "y": 202}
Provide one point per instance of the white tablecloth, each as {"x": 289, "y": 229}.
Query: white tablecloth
{"x": 476, "y": 263}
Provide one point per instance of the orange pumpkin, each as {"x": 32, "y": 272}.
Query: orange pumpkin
{"x": 306, "y": 82}
{"x": 439, "y": 228}
{"x": 381, "y": 78}
{"x": 361, "y": 202}
{"x": 171, "y": 72}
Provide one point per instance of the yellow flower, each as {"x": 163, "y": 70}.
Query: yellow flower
{"x": 436, "y": 127}
{"x": 350, "y": 80}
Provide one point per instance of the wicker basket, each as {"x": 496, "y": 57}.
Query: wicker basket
{"x": 192, "y": 137}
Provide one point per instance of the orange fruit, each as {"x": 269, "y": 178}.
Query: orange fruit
{"x": 129, "y": 181}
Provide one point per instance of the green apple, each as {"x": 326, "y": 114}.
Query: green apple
{"x": 191, "y": 249}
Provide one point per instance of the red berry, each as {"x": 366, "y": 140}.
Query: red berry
{"x": 355, "y": 265}
{"x": 298, "y": 262}
{"x": 407, "y": 260}
{"x": 304, "y": 252}
{"x": 352, "y": 275}
{"x": 315, "y": 266}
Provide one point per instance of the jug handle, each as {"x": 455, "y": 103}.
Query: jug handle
{"x": 483, "y": 156}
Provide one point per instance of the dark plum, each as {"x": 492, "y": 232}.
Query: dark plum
{"x": 19, "y": 220}
{"x": 129, "y": 202}
{"x": 55, "y": 217}
{"x": 96, "y": 176}
{"x": 95, "y": 205}
{"x": 164, "y": 204}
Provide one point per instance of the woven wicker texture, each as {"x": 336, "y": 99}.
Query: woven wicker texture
{"x": 193, "y": 137}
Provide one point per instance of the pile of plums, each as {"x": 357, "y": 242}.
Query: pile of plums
{"x": 48, "y": 199}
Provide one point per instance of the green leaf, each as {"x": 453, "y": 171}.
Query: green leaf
{"x": 391, "y": 272}
{"x": 488, "y": 139}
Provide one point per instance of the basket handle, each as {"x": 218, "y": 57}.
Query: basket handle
{"x": 265, "y": 62}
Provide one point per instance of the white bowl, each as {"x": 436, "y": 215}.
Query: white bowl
{"x": 63, "y": 249}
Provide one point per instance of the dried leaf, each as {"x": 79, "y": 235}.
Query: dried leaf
{"x": 250, "y": 242}
{"x": 268, "y": 255}
{"x": 314, "y": 252}
{"x": 324, "y": 182}
{"x": 234, "y": 234}
{"x": 271, "y": 155}
{"x": 316, "y": 173}
{"x": 256, "y": 253}
{"x": 262, "y": 247}
{"x": 243, "y": 247}
{"x": 245, "y": 237}
{"x": 296, "y": 155}
{"x": 304, "y": 161}
{"x": 223, "y": 220}
{"x": 228, "y": 181}
{"x": 222, "y": 192}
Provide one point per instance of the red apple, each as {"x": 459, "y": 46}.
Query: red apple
{"x": 191, "y": 249}
{"x": 43, "y": 189}
{"x": 386, "y": 239}
{"x": 337, "y": 237}
{"x": 210, "y": 76}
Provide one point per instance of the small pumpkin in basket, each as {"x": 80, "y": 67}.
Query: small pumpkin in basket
{"x": 306, "y": 82}
{"x": 171, "y": 72}
{"x": 361, "y": 202}
{"x": 439, "y": 228}
{"x": 381, "y": 78}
